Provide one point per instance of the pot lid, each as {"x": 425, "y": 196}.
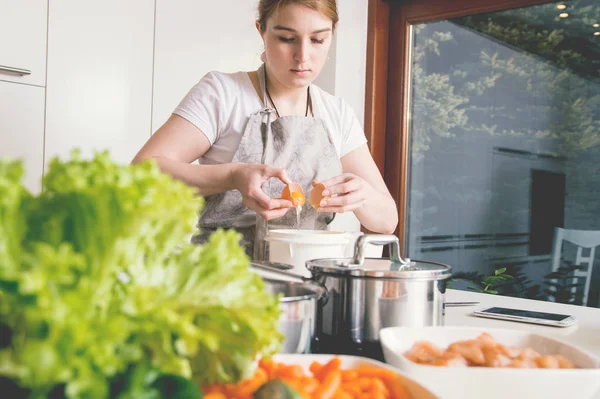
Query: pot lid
{"x": 381, "y": 268}
{"x": 388, "y": 268}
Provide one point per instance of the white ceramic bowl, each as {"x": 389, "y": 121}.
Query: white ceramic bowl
{"x": 295, "y": 247}
{"x": 416, "y": 390}
{"x": 491, "y": 383}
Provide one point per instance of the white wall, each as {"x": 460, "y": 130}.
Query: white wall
{"x": 351, "y": 54}
{"x": 193, "y": 37}
{"x": 99, "y": 84}
{"x": 231, "y": 43}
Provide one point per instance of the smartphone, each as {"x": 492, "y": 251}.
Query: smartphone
{"x": 527, "y": 316}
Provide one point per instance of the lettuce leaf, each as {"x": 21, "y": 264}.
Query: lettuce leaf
{"x": 97, "y": 275}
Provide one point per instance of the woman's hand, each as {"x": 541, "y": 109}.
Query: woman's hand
{"x": 248, "y": 179}
{"x": 350, "y": 191}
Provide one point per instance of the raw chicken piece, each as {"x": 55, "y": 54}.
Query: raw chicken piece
{"x": 527, "y": 354}
{"x": 495, "y": 358}
{"x": 523, "y": 364}
{"x": 470, "y": 350}
{"x": 548, "y": 362}
{"x": 509, "y": 351}
{"x": 451, "y": 359}
{"x": 486, "y": 340}
{"x": 564, "y": 363}
{"x": 484, "y": 351}
{"x": 423, "y": 352}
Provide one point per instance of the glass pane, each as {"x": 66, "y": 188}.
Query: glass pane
{"x": 505, "y": 147}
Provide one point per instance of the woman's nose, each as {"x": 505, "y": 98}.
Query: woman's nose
{"x": 302, "y": 52}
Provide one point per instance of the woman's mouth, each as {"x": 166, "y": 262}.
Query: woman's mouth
{"x": 301, "y": 72}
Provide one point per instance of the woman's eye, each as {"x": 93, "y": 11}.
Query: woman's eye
{"x": 318, "y": 41}
{"x": 286, "y": 39}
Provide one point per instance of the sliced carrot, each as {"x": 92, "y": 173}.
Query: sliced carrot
{"x": 378, "y": 385}
{"x": 248, "y": 387}
{"x": 310, "y": 384}
{"x": 397, "y": 390}
{"x": 374, "y": 372}
{"x": 352, "y": 388}
{"x": 325, "y": 381}
{"x": 293, "y": 371}
{"x": 330, "y": 385}
{"x": 349, "y": 375}
{"x": 315, "y": 367}
{"x": 333, "y": 364}
{"x": 342, "y": 395}
{"x": 268, "y": 365}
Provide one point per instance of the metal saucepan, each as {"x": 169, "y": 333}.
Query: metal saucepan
{"x": 361, "y": 296}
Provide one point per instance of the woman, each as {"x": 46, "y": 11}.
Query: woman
{"x": 246, "y": 128}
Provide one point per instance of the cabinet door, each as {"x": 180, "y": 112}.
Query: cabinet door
{"x": 99, "y": 77}
{"x": 22, "y": 129}
{"x": 23, "y": 30}
{"x": 195, "y": 37}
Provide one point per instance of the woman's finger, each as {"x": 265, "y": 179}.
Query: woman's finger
{"x": 262, "y": 199}
{"x": 281, "y": 174}
{"x": 348, "y": 186}
{"x": 340, "y": 209}
{"x": 278, "y": 203}
{"x": 275, "y": 213}
{"x": 337, "y": 180}
{"x": 342, "y": 200}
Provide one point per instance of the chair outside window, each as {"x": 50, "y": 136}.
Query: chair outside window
{"x": 586, "y": 240}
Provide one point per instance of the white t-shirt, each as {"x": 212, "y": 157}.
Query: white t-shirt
{"x": 221, "y": 104}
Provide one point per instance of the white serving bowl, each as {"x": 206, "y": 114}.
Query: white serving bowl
{"x": 491, "y": 383}
{"x": 416, "y": 390}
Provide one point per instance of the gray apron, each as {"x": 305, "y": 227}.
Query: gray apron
{"x": 302, "y": 146}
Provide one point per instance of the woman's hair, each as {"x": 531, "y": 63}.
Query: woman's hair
{"x": 266, "y": 8}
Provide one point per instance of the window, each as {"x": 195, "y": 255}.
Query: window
{"x": 501, "y": 140}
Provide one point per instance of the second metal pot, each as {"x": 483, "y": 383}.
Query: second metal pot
{"x": 298, "y": 304}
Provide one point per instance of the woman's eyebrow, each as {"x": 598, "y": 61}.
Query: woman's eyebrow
{"x": 280, "y": 27}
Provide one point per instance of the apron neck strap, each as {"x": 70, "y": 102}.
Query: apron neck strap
{"x": 262, "y": 81}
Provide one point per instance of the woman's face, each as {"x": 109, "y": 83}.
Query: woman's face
{"x": 297, "y": 41}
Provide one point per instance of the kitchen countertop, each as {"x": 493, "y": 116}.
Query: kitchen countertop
{"x": 584, "y": 334}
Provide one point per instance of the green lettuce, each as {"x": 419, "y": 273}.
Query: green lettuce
{"x": 97, "y": 278}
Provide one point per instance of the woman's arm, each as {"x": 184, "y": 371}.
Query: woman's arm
{"x": 175, "y": 146}
{"x": 178, "y": 143}
{"x": 361, "y": 189}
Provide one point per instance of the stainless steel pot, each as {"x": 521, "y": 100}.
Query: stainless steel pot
{"x": 298, "y": 305}
{"x": 363, "y": 296}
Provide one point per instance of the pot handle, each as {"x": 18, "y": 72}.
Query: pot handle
{"x": 281, "y": 269}
{"x": 272, "y": 268}
{"x": 378, "y": 239}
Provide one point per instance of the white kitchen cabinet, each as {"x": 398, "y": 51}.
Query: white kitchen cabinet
{"x": 22, "y": 129}
{"x": 195, "y": 37}
{"x": 99, "y": 87}
{"x": 23, "y": 28}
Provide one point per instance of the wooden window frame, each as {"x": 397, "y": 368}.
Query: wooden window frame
{"x": 388, "y": 77}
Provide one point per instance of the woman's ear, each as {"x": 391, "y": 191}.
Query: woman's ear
{"x": 263, "y": 56}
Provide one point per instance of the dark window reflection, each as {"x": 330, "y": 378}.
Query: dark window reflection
{"x": 505, "y": 146}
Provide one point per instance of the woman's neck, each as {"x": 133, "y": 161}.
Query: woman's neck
{"x": 288, "y": 101}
